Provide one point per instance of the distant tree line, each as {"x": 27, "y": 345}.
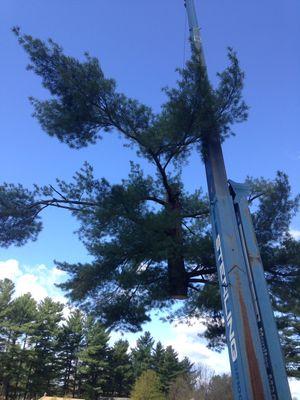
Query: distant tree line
{"x": 202, "y": 384}
{"x": 41, "y": 351}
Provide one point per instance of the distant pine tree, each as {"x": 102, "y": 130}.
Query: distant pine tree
{"x": 94, "y": 363}
{"x": 120, "y": 370}
{"x": 43, "y": 368}
{"x": 70, "y": 344}
{"x": 17, "y": 321}
{"x": 141, "y": 355}
{"x": 169, "y": 368}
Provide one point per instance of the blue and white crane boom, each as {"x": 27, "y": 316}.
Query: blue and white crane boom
{"x": 256, "y": 360}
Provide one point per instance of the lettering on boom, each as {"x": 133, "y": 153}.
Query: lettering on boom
{"x": 226, "y": 305}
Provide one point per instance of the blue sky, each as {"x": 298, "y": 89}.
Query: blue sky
{"x": 140, "y": 43}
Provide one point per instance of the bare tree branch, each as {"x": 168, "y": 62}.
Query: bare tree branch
{"x": 58, "y": 201}
{"x": 251, "y": 199}
{"x": 60, "y": 194}
{"x": 196, "y": 215}
{"x": 198, "y": 280}
{"x": 156, "y": 200}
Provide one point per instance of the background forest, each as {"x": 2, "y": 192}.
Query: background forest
{"x": 41, "y": 351}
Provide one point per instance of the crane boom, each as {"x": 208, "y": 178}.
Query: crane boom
{"x": 257, "y": 365}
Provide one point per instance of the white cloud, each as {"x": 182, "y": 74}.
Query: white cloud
{"x": 295, "y": 388}
{"x": 295, "y": 233}
{"x": 28, "y": 283}
{"x": 186, "y": 340}
{"x": 38, "y": 280}
{"x": 9, "y": 269}
{"x": 130, "y": 337}
{"x": 58, "y": 272}
{"x": 60, "y": 298}
{"x": 41, "y": 267}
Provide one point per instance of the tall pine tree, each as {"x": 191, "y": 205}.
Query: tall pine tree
{"x": 70, "y": 345}
{"x": 43, "y": 370}
{"x": 142, "y": 354}
{"x": 94, "y": 361}
{"x": 149, "y": 238}
{"x": 120, "y": 377}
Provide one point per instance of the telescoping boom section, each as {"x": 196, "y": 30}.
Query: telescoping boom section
{"x": 257, "y": 364}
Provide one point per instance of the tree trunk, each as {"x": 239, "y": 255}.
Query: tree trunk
{"x": 178, "y": 281}
{"x": 74, "y": 378}
{"x": 178, "y": 278}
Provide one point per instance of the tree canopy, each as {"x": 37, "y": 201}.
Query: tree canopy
{"x": 150, "y": 239}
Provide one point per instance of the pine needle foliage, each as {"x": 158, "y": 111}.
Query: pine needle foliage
{"x": 149, "y": 238}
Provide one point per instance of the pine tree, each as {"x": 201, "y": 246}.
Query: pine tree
{"x": 188, "y": 370}
{"x": 86, "y": 103}
{"x": 164, "y": 361}
{"x": 70, "y": 344}
{"x": 142, "y": 354}
{"x": 170, "y": 368}
{"x": 16, "y": 321}
{"x": 43, "y": 371}
{"x": 120, "y": 370}
{"x": 94, "y": 362}
{"x": 6, "y": 294}
{"x": 147, "y": 387}
{"x": 149, "y": 238}
{"x": 24, "y": 311}
{"x": 158, "y": 357}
